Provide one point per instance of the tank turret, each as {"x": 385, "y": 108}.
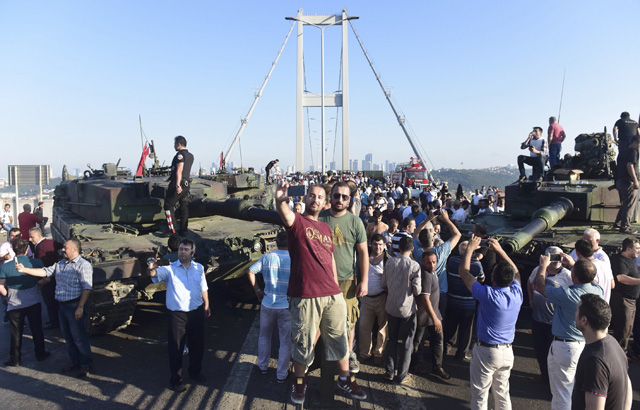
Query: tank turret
{"x": 541, "y": 220}
{"x": 119, "y": 219}
{"x": 576, "y": 195}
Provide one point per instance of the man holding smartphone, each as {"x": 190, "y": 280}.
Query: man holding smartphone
{"x": 315, "y": 300}
{"x": 542, "y": 309}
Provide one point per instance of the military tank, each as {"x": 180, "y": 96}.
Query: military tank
{"x": 120, "y": 221}
{"x": 576, "y": 195}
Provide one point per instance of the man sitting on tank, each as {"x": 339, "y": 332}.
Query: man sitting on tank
{"x": 537, "y": 154}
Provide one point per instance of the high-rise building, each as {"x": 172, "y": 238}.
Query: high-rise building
{"x": 355, "y": 165}
{"x": 367, "y": 164}
{"x": 332, "y": 165}
{"x": 350, "y": 165}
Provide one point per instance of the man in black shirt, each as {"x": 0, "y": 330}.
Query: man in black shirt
{"x": 627, "y": 185}
{"x": 267, "y": 169}
{"x": 626, "y": 291}
{"x": 179, "y": 182}
{"x": 623, "y": 130}
{"x": 602, "y": 379}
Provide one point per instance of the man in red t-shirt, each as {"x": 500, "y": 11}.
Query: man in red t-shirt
{"x": 556, "y": 137}
{"x": 26, "y": 221}
{"x": 315, "y": 300}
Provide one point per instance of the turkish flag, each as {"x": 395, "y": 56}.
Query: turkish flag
{"x": 145, "y": 154}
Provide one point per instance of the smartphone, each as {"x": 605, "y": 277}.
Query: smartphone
{"x": 437, "y": 212}
{"x": 555, "y": 257}
{"x": 297, "y": 190}
{"x": 484, "y": 243}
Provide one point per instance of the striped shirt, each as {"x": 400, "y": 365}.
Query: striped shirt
{"x": 275, "y": 268}
{"x": 72, "y": 277}
{"x": 395, "y": 241}
{"x": 459, "y": 295}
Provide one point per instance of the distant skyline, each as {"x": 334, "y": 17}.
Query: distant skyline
{"x": 471, "y": 78}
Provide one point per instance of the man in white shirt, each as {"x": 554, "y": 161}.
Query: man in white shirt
{"x": 459, "y": 214}
{"x": 187, "y": 299}
{"x": 604, "y": 275}
{"x": 593, "y": 236}
{"x": 537, "y": 155}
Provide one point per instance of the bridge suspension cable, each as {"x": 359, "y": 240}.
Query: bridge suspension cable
{"x": 245, "y": 120}
{"x": 399, "y": 116}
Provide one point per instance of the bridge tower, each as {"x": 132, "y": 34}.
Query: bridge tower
{"x": 322, "y": 100}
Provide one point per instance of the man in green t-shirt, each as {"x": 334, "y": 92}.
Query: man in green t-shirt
{"x": 24, "y": 300}
{"x": 349, "y": 238}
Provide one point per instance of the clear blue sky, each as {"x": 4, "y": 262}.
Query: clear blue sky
{"x": 471, "y": 77}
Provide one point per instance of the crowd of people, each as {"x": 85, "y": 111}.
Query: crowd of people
{"x": 376, "y": 269}
{"x": 402, "y": 275}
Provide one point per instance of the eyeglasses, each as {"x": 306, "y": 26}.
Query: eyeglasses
{"x": 344, "y": 197}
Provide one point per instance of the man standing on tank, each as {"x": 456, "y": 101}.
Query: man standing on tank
{"x": 268, "y": 168}
{"x": 556, "y": 136}
{"x": 179, "y": 182}
{"x": 623, "y": 130}
{"x": 627, "y": 185}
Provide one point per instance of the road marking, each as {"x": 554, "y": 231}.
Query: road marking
{"x": 233, "y": 394}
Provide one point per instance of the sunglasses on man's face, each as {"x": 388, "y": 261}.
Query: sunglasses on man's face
{"x": 340, "y": 196}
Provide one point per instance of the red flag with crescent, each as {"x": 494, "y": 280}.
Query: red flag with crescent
{"x": 143, "y": 157}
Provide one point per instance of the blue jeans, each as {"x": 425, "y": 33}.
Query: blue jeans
{"x": 554, "y": 154}
{"x": 75, "y": 334}
{"x": 271, "y": 319}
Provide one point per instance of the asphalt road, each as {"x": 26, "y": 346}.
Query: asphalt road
{"x": 131, "y": 371}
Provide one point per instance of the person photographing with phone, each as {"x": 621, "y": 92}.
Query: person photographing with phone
{"x": 188, "y": 304}
{"x": 537, "y": 147}
{"x": 541, "y": 308}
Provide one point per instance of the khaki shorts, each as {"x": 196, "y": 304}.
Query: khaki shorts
{"x": 348, "y": 288}
{"x": 327, "y": 313}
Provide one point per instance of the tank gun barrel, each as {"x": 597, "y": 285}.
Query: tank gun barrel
{"x": 233, "y": 208}
{"x": 541, "y": 220}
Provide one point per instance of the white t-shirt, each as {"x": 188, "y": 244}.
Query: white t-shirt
{"x": 539, "y": 144}
{"x": 459, "y": 215}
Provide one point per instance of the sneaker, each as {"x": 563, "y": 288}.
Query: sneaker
{"x": 299, "y": 390}
{"x": 351, "y": 386}
{"x": 179, "y": 388}
{"x": 439, "y": 372}
{"x": 11, "y": 363}
{"x": 522, "y": 178}
{"x": 84, "y": 372}
{"x": 407, "y": 379}
{"x": 628, "y": 231}
{"x": 354, "y": 366}
{"x": 388, "y": 376}
{"x": 284, "y": 379}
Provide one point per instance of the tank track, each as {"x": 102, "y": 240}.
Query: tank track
{"x": 112, "y": 305}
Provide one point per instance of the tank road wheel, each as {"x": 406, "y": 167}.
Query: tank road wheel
{"x": 112, "y": 306}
